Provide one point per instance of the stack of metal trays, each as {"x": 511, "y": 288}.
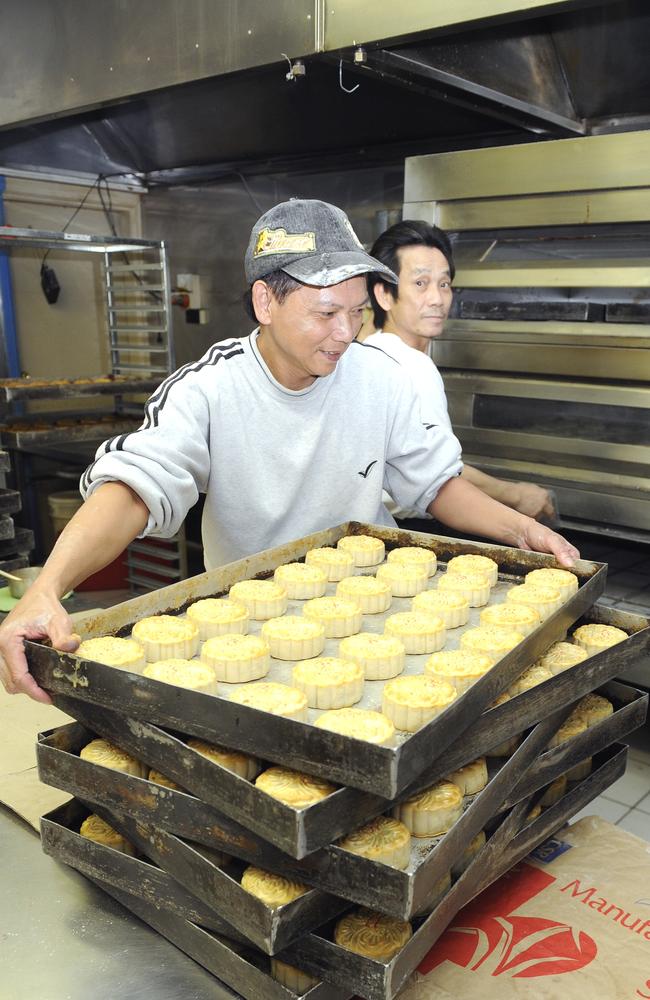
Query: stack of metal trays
{"x": 217, "y": 811}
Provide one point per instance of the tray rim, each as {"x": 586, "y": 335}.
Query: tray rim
{"x": 300, "y": 832}
{"x": 385, "y": 771}
{"x": 332, "y": 870}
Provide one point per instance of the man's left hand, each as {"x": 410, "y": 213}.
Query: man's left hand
{"x": 534, "y": 501}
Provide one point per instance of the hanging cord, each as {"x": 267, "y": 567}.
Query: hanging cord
{"x": 75, "y": 213}
{"x": 348, "y": 90}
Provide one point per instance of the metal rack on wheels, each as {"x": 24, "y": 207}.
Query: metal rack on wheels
{"x": 140, "y": 354}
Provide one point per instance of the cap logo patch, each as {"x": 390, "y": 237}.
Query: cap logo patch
{"x": 270, "y": 241}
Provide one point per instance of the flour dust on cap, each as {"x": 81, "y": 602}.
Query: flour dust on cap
{"x": 312, "y": 241}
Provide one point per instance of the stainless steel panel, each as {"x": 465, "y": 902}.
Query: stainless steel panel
{"x": 353, "y": 22}
{"x": 584, "y": 164}
{"x": 546, "y": 359}
{"x": 592, "y": 207}
{"x": 82, "y": 55}
{"x": 555, "y": 273}
{"x": 81, "y": 936}
{"x": 549, "y": 449}
{"x": 503, "y": 385}
{"x": 555, "y": 332}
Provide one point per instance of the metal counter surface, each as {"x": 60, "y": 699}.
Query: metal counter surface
{"x": 63, "y": 939}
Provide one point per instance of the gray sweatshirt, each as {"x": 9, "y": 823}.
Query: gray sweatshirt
{"x": 277, "y": 464}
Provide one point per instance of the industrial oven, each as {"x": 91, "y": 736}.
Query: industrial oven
{"x": 546, "y": 358}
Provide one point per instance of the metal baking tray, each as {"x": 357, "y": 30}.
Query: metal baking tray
{"x": 299, "y": 832}
{"x": 68, "y": 388}
{"x": 382, "y": 770}
{"x": 512, "y": 840}
{"x": 333, "y": 870}
{"x": 244, "y": 970}
{"x": 67, "y": 428}
{"x": 221, "y": 904}
{"x": 137, "y": 882}
{"x": 60, "y": 839}
{"x": 318, "y": 955}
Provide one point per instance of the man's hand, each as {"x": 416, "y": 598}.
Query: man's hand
{"x": 525, "y": 498}
{"x": 537, "y": 537}
{"x": 39, "y": 615}
{"x": 532, "y": 500}
{"x": 464, "y": 507}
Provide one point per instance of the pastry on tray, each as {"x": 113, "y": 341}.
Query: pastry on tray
{"x": 237, "y": 658}
{"x": 474, "y": 586}
{"x": 474, "y": 563}
{"x": 361, "y": 723}
{"x": 329, "y": 681}
{"x": 192, "y": 674}
{"x": 372, "y": 934}
{"x": 338, "y": 616}
{"x": 529, "y": 679}
{"x": 292, "y": 637}
{"x": 544, "y": 600}
{"x": 274, "y": 890}
{"x": 301, "y": 581}
{"x": 562, "y": 655}
{"x": 381, "y": 656}
{"x": 411, "y": 702}
{"x": 335, "y": 563}
{"x": 490, "y": 639}
{"x": 433, "y": 811}
{"x": 159, "y": 778}
{"x": 107, "y": 754}
{"x": 461, "y": 667}
{"x": 521, "y": 617}
{"x": 239, "y": 763}
{"x": 414, "y": 555}
{"x": 383, "y": 839}
{"x": 372, "y": 594}
{"x": 295, "y": 980}
{"x": 165, "y": 637}
{"x": 292, "y": 787}
{"x": 595, "y": 638}
{"x": 472, "y": 777}
{"x": 218, "y": 616}
{"x": 419, "y": 632}
{"x": 561, "y": 579}
{"x": 127, "y": 654}
{"x": 97, "y": 829}
{"x": 364, "y": 549}
{"x": 263, "y": 598}
{"x": 277, "y": 699}
{"x": 404, "y": 579}
{"x": 452, "y": 607}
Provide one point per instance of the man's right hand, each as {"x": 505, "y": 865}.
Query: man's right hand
{"x": 39, "y": 615}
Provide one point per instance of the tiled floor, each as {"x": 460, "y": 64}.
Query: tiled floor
{"x": 627, "y": 802}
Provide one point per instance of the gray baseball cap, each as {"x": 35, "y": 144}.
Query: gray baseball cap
{"x": 312, "y": 241}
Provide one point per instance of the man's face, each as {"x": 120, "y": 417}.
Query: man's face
{"x": 304, "y": 337}
{"x": 425, "y": 295}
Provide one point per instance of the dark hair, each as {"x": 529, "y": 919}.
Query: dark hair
{"x": 409, "y": 233}
{"x": 281, "y": 285}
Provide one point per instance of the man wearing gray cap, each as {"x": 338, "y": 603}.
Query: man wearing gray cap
{"x": 293, "y": 429}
